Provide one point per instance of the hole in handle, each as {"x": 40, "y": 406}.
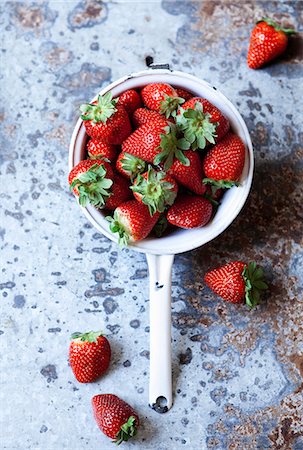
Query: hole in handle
{"x": 160, "y": 406}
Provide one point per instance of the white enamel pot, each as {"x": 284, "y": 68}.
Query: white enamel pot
{"x": 160, "y": 251}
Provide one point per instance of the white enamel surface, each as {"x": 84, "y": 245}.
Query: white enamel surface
{"x": 180, "y": 240}
{"x": 160, "y": 381}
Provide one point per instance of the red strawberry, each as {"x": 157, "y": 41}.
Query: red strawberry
{"x": 120, "y": 192}
{"x": 142, "y": 116}
{"x": 99, "y": 150}
{"x": 91, "y": 181}
{"x": 131, "y": 100}
{"x": 106, "y": 120}
{"x": 145, "y": 141}
{"x": 89, "y": 355}
{"x": 267, "y": 41}
{"x": 130, "y": 166}
{"x": 184, "y": 94}
{"x": 155, "y": 189}
{"x": 202, "y": 122}
{"x": 190, "y": 211}
{"x": 132, "y": 222}
{"x": 115, "y": 418}
{"x": 161, "y": 97}
{"x": 237, "y": 282}
{"x": 190, "y": 176}
{"x": 225, "y": 161}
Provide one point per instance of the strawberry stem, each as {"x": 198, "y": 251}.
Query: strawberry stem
{"x": 127, "y": 431}
{"x": 89, "y": 336}
{"x": 172, "y": 147}
{"x": 254, "y": 283}
{"x": 220, "y": 184}
{"x": 92, "y": 186}
{"x": 116, "y": 226}
{"x": 276, "y": 26}
{"x": 100, "y": 111}
{"x": 196, "y": 125}
{"x": 170, "y": 104}
{"x": 132, "y": 164}
{"x": 155, "y": 191}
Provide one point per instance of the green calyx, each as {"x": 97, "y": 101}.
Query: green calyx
{"x": 118, "y": 228}
{"x": 92, "y": 186}
{"x": 254, "y": 284}
{"x": 133, "y": 165}
{"x": 219, "y": 184}
{"x": 127, "y": 431}
{"x": 90, "y": 336}
{"x": 196, "y": 125}
{"x": 277, "y": 27}
{"x": 160, "y": 226}
{"x": 170, "y": 104}
{"x": 172, "y": 146}
{"x": 211, "y": 199}
{"x": 101, "y": 111}
{"x": 155, "y": 191}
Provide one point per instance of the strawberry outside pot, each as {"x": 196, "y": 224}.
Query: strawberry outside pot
{"x": 160, "y": 251}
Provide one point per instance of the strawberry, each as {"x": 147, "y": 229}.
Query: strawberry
{"x": 190, "y": 176}
{"x": 115, "y": 418}
{"x": 90, "y": 181}
{"x": 161, "y": 97}
{"x": 201, "y": 122}
{"x": 100, "y": 150}
{"x": 267, "y": 41}
{"x": 183, "y": 94}
{"x": 89, "y": 355}
{"x": 237, "y": 282}
{"x": 120, "y": 192}
{"x": 145, "y": 141}
{"x": 190, "y": 211}
{"x": 155, "y": 189}
{"x": 106, "y": 120}
{"x": 130, "y": 166}
{"x": 131, "y": 100}
{"x": 142, "y": 116}
{"x": 132, "y": 222}
{"x": 223, "y": 164}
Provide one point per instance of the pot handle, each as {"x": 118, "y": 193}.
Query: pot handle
{"x": 160, "y": 384}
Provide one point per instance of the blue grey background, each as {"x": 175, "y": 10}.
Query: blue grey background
{"x": 237, "y": 373}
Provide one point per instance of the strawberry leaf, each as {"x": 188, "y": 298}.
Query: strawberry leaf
{"x": 254, "y": 283}
{"x": 127, "y": 431}
{"x": 118, "y": 228}
{"x": 92, "y": 186}
{"x": 172, "y": 145}
{"x": 160, "y": 226}
{"x": 277, "y": 27}
{"x": 132, "y": 165}
{"x": 155, "y": 192}
{"x": 170, "y": 104}
{"x": 196, "y": 125}
{"x": 90, "y": 336}
{"x": 101, "y": 110}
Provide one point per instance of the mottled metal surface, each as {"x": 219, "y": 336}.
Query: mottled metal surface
{"x": 237, "y": 374}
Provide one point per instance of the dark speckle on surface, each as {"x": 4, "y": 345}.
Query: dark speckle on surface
{"x": 135, "y": 323}
{"x": 185, "y": 358}
{"x": 49, "y": 372}
{"x": 19, "y": 301}
{"x": 110, "y": 305}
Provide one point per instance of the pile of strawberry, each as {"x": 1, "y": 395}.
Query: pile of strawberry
{"x": 156, "y": 158}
